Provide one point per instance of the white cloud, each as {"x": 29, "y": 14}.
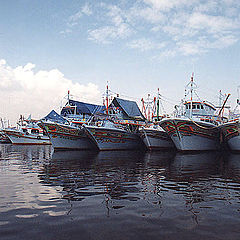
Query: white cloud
{"x": 169, "y": 53}
{"x": 178, "y": 22}
{"x": 145, "y": 44}
{"x": 107, "y": 34}
{"x": 87, "y": 10}
{"x": 167, "y": 5}
{"x": 191, "y": 48}
{"x": 24, "y": 91}
{"x": 117, "y": 29}
{"x": 73, "y": 20}
{"x": 210, "y": 23}
{"x": 149, "y": 14}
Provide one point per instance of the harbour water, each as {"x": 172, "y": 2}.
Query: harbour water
{"x": 118, "y": 195}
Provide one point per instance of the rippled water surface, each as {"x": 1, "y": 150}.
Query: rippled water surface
{"x": 118, "y": 195}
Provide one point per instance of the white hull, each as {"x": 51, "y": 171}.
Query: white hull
{"x": 114, "y": 139}
{"x": 192, "y": 136}
{"x": 234, "y": 143}
{"x": 17, "y": 137}
{"x": 63, "y": 142}
{"x": 155, "y": 139}
{"x": 231, "y": 133}
{"x": 194, "y": 143}
{"x": 66, "y": 137}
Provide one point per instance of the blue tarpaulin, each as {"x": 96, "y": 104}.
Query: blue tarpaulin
{"x": 82, "y": 108}
{"x": 130, "y": 108}
{"x": 55, "y": 117}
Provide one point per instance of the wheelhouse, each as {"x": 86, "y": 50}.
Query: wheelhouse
{"x": 199, "y": 109}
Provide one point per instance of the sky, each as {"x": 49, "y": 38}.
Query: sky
{"x": 136, "y": 46}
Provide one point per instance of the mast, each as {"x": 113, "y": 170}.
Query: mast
{"x": 107, "y": 99}
{"x": 158, "y": 103}
{"x": 2, "y": 123}
{"x": 224, "y": 103}
{"x": 238, "y": 92}
{"x": 154, "y": 107}
{"x": 143, "y": 108}
{"x": 68, "y": 97}
{"x": 148, "y": 108}
{"x": 220, "y": 97}
{"x": 191, "y": 91}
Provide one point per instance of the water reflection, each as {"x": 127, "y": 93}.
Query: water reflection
{"x": 23, "y": 152}
{"x": 231, "y": 166}
{"x": 148, "y": 194}
{"x": 127, "y": 175}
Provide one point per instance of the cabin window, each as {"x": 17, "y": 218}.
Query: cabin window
{"x": 34, "y": 131}
{"x": 198, "y": 106}
{"x": 24, "y": 130}
{"x": 201, "y": 106}
{"x": 186, "y": 106}
{"x": 194, "y": 107}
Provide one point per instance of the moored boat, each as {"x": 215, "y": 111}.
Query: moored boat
{"x": 231, "y": 130}
{"x": 195, "y": 126}
{"x": 155, "y": 138}
{"x": 231, "y": 134}
{"x": 27, "y": 133}
{"x": 190, "y": 135}
{"x": 65, "y": 136}
{"x": 110, "y": 136}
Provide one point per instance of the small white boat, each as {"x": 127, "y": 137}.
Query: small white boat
{"x": 27, "y": 133}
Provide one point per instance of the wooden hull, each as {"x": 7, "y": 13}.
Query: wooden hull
{"x": 65, "y": 137}
{"x": 114, "y": 139}
{"x": 231, "y": 134}
{"x": 188, "y": 135}
{"x": 156, "y": 139}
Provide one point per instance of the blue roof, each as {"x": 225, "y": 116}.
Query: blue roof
{"x": 55, "y": 117}
{"x": 130, "y": 108}
{"x": 84, "y": 108}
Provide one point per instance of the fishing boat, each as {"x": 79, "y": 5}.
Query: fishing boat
{"x": 27, "y": 133}
{"x": 231, "y": 134}
{"x": 195, "y": 124}
{"x": 65, "y": 135}
{"x": 231, "y": 130}
{"x": 111, "y": 136}
{"x": 154, "y": 137}
{"x": 118, "y": 128}
{"x": 65, "y": 129}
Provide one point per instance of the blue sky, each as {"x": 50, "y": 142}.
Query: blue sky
{"x": 136, "y": 45}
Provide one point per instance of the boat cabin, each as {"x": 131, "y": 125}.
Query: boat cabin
{"x": 199, "y": 109}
